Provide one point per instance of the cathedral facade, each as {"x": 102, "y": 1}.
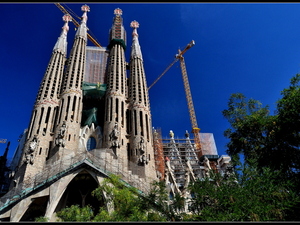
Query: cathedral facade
{"x": 85, "y": 125}
{"x": 92, "y": 118}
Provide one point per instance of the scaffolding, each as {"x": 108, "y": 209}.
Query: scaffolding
{"x": 96, "y": 59}
{"x": 208, "y": 144}
{"x": 158, "y": 153}
{"x": 181, "y": 153}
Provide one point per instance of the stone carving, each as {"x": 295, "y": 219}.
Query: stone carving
{"x": 114, "y": 136}
{"x": 142, "y": 145}
{"x": 60, "y": 141}
{"x": 143, "y": 160}
{"x": 32, "y": 147}
{"x": 142, "y": 148}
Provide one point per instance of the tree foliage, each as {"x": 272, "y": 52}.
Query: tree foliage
{"x": 123, "y": 203}
{"x": 252, "y": 196}
{"x": 268, "y": 141}
{"x": 271, "y": 140}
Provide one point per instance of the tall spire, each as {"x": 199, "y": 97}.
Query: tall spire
{"x": 43, "y": 118}
{"x": 141, "y": 149}
{"x": 61, "y": 44}
{"x": 117, "y": 32}
{"x": 71, "y": 95}
{"x": 135, "y": 49}
{"x": 82, "y": 29}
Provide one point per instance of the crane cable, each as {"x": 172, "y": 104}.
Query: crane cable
{"x": 70, "y": 11}
{"x": 175, "y": 60}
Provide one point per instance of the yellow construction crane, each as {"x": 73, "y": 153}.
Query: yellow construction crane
{"x": 195, "y": 129}
{"x": 65, "y": 11}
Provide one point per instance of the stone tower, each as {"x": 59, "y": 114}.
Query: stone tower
{"x": 83, "y": 130}
{"x": 43, "y": 119}
{"x": 116, "y": 93}
{"x": 139, "y": 115}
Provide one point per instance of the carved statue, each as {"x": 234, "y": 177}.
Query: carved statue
{"x": 114, "y": 136}
{"x": 143, "y": 160}
{"x": 142, "y": 145}
{"x": 60, "y": 141}
{"x": 29, "y": 153}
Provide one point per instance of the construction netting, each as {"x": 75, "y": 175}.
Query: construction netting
{"x": 96, "y": 60}
{"x": 90, "y": 116}
{"x": 208, "y": 144}
{"x": 94, "y": 90}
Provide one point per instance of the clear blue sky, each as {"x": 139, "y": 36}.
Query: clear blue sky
{"x": 251, "y": 48}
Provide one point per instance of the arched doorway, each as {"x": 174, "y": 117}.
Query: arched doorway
{"x": 36, "y": 209}
{"x": 78, "y": 192}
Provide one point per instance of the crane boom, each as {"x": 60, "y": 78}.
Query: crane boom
{"x": 163, "y": 73}
{"x": 77, "y": 24}
{"x": 195, "y": 129}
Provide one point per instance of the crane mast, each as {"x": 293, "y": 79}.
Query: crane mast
{"x": 195, "y": 129}
{"x": 188, "y": 94}
{"x": 77, "y": 24}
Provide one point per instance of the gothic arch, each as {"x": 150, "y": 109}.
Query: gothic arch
{"x": 36, "y": 209}
{"x": 78, "y": 192}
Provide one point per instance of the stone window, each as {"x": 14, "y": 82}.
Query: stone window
{"x": 91, "y": 144}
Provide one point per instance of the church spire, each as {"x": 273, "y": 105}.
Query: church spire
{"x": 117, "y": 31}
{"x": 61, "y": 44}
{"x": 71, "y": 95}
{"x": 82, "y": 29}
{"x": 135, "y": 48}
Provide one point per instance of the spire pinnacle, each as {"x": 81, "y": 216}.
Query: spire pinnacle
{"x": 134, "y": 24}
{"x": 118, "y": 12}
{"x": 117, "y": 34}
{"x": 61, "y": 43}
{"x": 85, "y": 9}
{"x": 135, "y": 48}
{"x": 82, "y": 29}
{"x": 66, "y": 18}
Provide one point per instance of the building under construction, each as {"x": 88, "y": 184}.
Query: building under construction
{"x": 91, "y": 119}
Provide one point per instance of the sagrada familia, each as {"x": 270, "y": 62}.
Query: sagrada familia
{"x": 91, "y": 119}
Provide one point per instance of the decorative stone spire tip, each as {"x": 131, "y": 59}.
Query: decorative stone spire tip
{"x": 134, "y": 24}
{"x": 85, "y": 8}
{"x": 118, "y": 12}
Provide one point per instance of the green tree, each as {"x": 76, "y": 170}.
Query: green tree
{"x": 250, "y": 128}
{"x": 287, "y": 133}
{"x": 123, "y": 203}
{"x": 251, "y": 196}
{"x": 76, "y": 213}
{"x": 270, "y": 140}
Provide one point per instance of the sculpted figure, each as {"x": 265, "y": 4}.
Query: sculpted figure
{"x": 29, "y": 153}
{"x": 143, "y": 160}
{"x": 142, "y": 145}
{"x": 114, "y": 136}
{"x": 60, "y": 141}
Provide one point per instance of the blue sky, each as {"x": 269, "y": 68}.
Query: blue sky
{"x": 251, "y": 48}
